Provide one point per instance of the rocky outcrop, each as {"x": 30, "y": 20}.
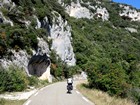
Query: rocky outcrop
{"x": 7, "y": 4}
{"x": 4, "y": 20}
{"x": 132, "y": 30}
{"x": 129, "y": 13}
{"x": 39, "y": 66}
{"x": 43, "y": 46}
{"x": 60, "y": 33}
{"x": 19, "y": 59}
{"x": 78, "y": 11}
{"x": 101, "y": 13}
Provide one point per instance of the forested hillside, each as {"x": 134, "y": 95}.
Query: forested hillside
{"x": 106, "y": 43}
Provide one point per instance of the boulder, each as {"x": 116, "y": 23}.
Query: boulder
{"x": 39, "y": 65}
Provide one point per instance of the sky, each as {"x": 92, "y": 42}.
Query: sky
{"x": 134, "y": 3}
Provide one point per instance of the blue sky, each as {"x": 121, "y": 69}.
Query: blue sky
{"x": 134, "y": 3}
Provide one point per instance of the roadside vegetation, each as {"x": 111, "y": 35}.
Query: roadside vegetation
{"x": 11, "y": 102}
{"x": 99, "y": 97}
{"x": 110, "y": 56}
{"x": 15, "y": 79}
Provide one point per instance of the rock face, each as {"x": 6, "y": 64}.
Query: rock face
{"x": 9, "y": 6}
{"x": 4, "y": 20}
{"x": 129, "y": 13}
{"x": 39, "y": 66}
{"x": 132, "y": 30}
{"x": 19, "y": 59}
{"x": 60, "y": 34}
{"x": 61, "y": 40}
{"x": 43, "y": 46}
{"x": 78, "y": 11}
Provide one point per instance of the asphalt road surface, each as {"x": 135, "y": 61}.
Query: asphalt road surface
{"x": 56, "y": 94}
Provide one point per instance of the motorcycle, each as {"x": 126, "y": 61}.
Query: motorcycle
{"x": 69, "y": 88}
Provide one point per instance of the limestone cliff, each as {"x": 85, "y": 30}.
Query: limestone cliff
{"x": 30, "y": 28}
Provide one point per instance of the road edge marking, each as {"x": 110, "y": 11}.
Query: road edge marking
{"x": 85, "y": 99}
{"x": 36, "y": 94}
{"x": 77, "y": 92}
{"x": 27, "y": 103}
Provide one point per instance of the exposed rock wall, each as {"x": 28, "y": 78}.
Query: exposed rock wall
{"x": 60, "y": 34}
{"x": 61, "y": 40}
{"x": 7, "y": 4}
{"x": 78, "y": 11}
{"x": 129, "y": 13}
{"x": 19, "y": 59}
{"x": 4, "y": 20}
{"x": 39, "y": 65}
{"x": 43, "y": 46}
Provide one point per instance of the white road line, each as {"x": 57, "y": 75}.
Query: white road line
{"x": 36, "y": 94}
{"x": 41, "y": 89}
{"x": 85, "y": 99}
{"x": 77, "y": 92}
{"x": 47, "y": 86}
{"x": 44, "y": 87}
{"x": 28, "y": 102}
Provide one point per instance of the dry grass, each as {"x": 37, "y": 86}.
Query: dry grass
{"x": 102, "y": 98}
{"x": 11, "y": 102}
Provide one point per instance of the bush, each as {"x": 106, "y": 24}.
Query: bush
{"x": 2, "y": 101}
{"x": 33, "y": 81}
{"x": 73, "y": 70}
{"x": 57, "y": 72}
{"x": 134, "y": 94}
{"x": 13, "y": 79}
{"x": 3, "y": 75}
{"x": 4, "y": 11}
{"x": 109, "y": 77}
{"x": 43, "y": 82}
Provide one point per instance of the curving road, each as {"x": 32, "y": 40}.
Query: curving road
{"x": 56, "y": 94}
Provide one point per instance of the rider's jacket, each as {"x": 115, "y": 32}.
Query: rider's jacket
{"x": 69, "y": 80}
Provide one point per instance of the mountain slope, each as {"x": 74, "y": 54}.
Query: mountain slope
{"x": 100, "y": 37}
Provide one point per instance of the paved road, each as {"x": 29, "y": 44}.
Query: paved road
{"x": 56, "y": 94}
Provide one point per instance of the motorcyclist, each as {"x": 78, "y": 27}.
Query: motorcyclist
{"x": 69, "y": 82}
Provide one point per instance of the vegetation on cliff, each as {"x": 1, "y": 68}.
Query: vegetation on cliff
{"x": 106, "y": 50}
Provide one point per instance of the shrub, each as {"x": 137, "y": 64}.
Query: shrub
{"x": 13, "y": 79}
{"x": 109, "y": 77}
{"x": 41, "y": 13}
{"x": 4, "y": 11}
{"x": 3, "y": 76}
{"x": 43, "y": 82}
{"x": 33, "y": 81}
{"x": 134, "y": 94}
{"x": 2, "y": 101}
{"x": 73, "y": 70}
{"x": 57, "y": 66}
